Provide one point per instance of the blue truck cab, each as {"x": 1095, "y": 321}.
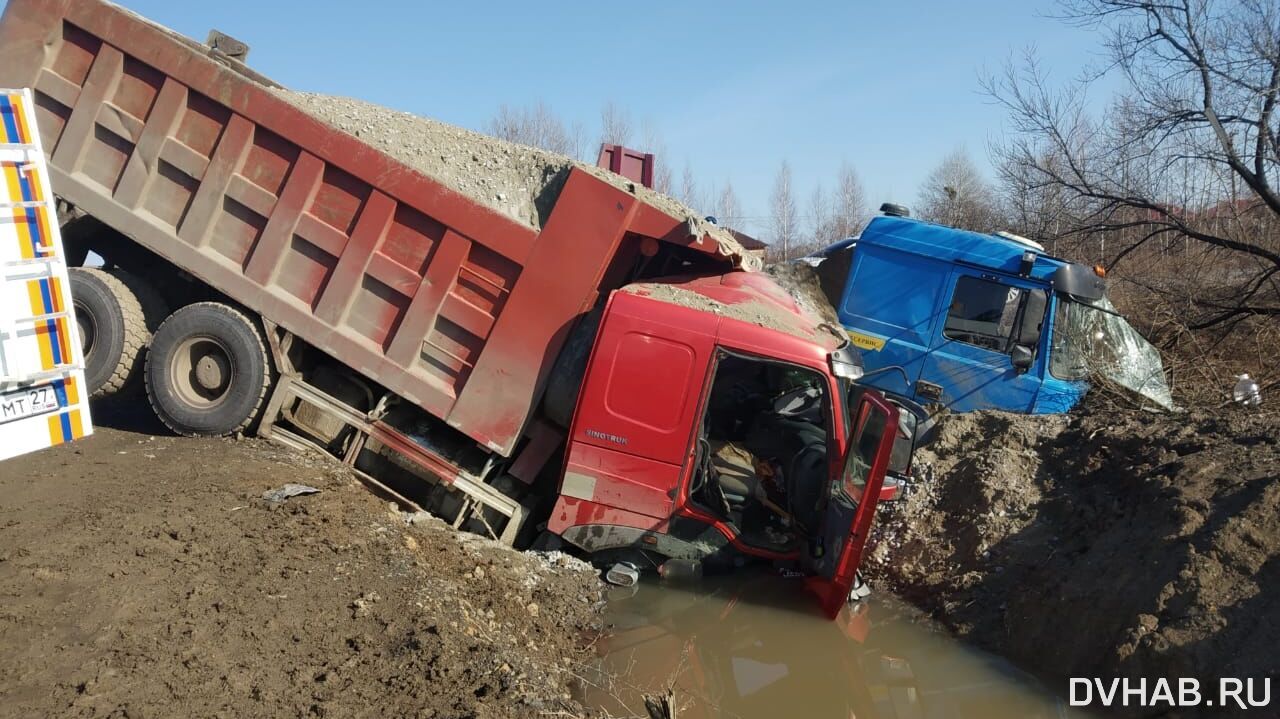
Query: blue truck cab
{"x": 967, "y": 320}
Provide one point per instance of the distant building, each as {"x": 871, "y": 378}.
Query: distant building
{"x": 749, "y": 243}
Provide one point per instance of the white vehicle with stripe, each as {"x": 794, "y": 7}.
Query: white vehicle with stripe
{"x": 43, "y": 398}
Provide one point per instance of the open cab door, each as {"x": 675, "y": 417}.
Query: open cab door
{"x": 852, "y": 495}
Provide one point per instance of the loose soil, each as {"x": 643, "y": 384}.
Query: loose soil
{"x": 1104, "y": 543}
{"x": 800, "y": 279}
{"x": 518, "y": 181}
{"x": 757, "y": 312}
{"x": 145, "y": 576}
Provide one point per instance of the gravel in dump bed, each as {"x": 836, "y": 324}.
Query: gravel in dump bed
{"x": 520, "y": 182}
{"x": 757, "y": 312}
{"x": 516, "y": 180}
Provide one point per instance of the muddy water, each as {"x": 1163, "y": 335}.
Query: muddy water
{"x": 756, "y": 647}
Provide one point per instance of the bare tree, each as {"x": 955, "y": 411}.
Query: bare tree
{"x": 1189, "y": 156}
{"x": 662, "y": 181}
{"x": 850, "y": 210}
{"x": 728, "y": 211}
{"x": 615, "y": 124}
{"x": 822, "y": 229}
{"x": 689, "y": 188}
{"x": 654, "y": 143}
{"x": 783, "y": 222}
{"x": 1033, "y": 208}
{"x": 537, "y": 126}
{"x": 956, "y": 194}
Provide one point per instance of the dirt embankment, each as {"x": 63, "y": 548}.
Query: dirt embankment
{"x": 145, "y": 576}
{"x": 1105, "y": 543}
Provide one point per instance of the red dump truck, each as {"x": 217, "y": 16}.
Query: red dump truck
{"x": 614, "y": 379}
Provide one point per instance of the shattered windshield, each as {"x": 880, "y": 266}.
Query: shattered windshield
{"x": 1092, "y": 340}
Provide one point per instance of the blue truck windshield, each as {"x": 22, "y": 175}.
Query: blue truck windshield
{"x": 1095, "y": 342}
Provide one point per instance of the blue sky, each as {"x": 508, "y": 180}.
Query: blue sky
{"x": 733, "y": 88}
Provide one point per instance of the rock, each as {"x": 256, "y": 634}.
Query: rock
{"x": 361, "y": 606}
{"x": 1148, "y": 623}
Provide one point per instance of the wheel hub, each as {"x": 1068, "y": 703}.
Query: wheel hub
{"x": 201, "y": 371}
{"x": 211, "y": 371}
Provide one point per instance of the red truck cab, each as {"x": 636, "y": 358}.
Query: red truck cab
{"x": 714, "y": 425}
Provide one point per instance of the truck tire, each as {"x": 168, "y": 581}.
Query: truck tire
{"x": 565, "y": 380}
{"x": 207, "y": 371}
{"x": 116, "y": 316}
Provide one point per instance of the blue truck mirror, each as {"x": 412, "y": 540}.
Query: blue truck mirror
{"x": 1022, "y": 358}
{"x": 1032, "y": 318}
{"x": 1079, "y": 281}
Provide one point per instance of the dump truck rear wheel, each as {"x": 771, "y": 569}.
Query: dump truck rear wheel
{"x": 116, "y": 315}
{"x": 207, "y": 371}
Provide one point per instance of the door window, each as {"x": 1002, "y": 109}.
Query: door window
{"x": 983, "y": 313}
{"x": 633, "y": 394}
{"x": 869, "y": 430}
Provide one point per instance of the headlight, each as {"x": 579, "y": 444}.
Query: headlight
{"x": 846, "y": 365}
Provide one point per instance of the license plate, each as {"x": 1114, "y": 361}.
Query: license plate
{"x": 30, "y": 402}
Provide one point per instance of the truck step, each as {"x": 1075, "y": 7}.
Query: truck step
{"x": 42, "y": 318}
{"x": 34, "y": 261}
{"x": 42, "y": 376}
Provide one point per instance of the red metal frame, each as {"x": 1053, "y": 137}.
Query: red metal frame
{"x": 623, "y": 495}
{"x": 631, "y": 164}
{"x": 687, "y": 508}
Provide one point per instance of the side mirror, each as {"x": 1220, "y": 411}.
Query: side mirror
{"x": 1022, "y": 358}
{"x": 1032, "y": 318}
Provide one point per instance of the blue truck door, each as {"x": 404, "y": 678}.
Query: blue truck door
{"x": 969, "y": 358}
{"x": 890, "y": 307}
